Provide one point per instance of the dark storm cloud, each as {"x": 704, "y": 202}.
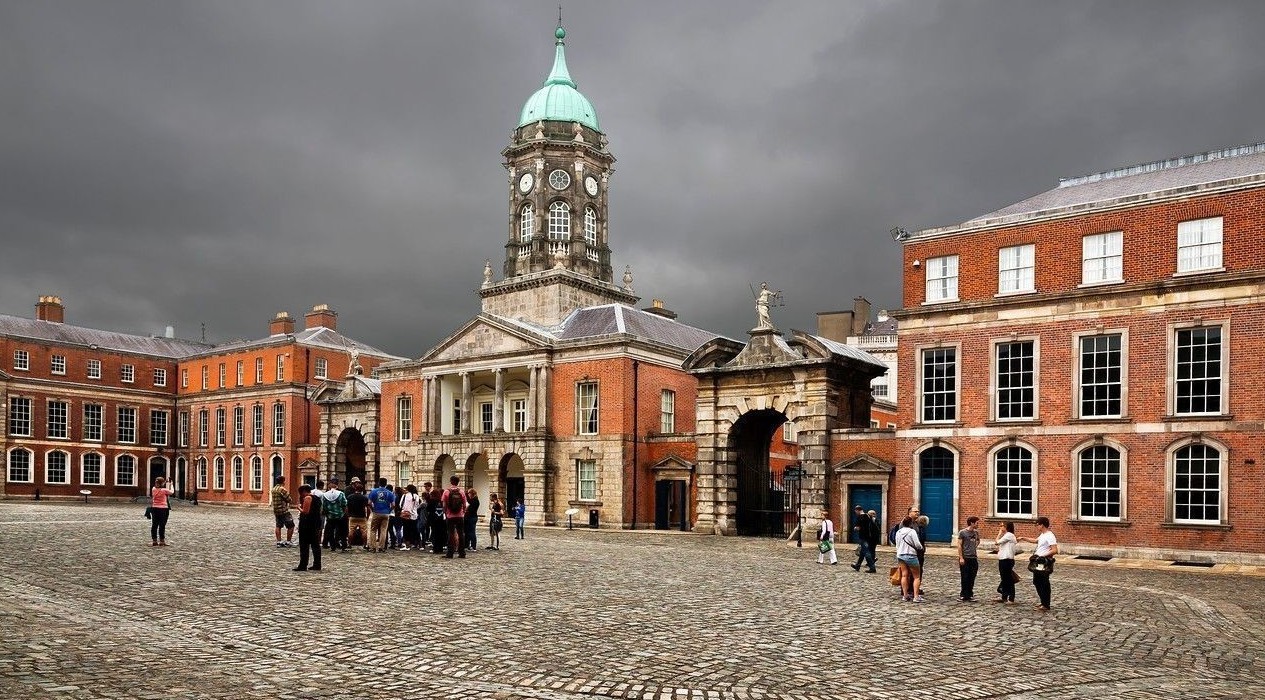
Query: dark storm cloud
{"x": 215, "y": 162}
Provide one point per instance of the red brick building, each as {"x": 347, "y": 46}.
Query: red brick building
{"x": 1091, "y": 354}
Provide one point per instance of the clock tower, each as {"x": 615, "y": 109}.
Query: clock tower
{"x": 559, "y": 168}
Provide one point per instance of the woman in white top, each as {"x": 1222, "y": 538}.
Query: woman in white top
{"x": 907, "y": 548}
{"x": 1047, "y": 546}
{"x": 826, "y": 533}
{"x": 1006, "y": 563}
{"x": 410, "y": 504}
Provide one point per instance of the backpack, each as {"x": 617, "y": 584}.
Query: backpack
{"x": 891, "y": 534}
{"x": 455, "y": 501}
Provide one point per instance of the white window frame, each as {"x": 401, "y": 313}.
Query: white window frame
{"x": 281, "y": 368}
{"x": 590, "y": 234}
{"x": 256, "y": 473}
{"x": 21, "y": 360}
{"x": 518, "y": 415}
{"x": 100, "y": 469}
{"x": 956, "y": 405}
{"x": 1102, "y": 258}
{"x": 1174, "y": 329}
{"x": 1223, "y": 482}
{"x": 158, "y": 427}
{"x": 257, "y": 424}
{"x": 57, "y": 364}
{"x": 57, "y": 425}
{"x": 559, "y": 221}
{"x": 321, "y": 369}
{"x": 223, "y": 375}
{"x": 118, "y": 470}
{"x": 127, "y": 373}
{"x": 1016, "y": 269}
{"x": 586, "y": 483}
{"x": 94, "y": 369}
{"x": 1199, "y": 245}
{"x": 16, "y": 418}
{"x": 526, "y": 227}
{"x": 1078, "y": 369}
{"x": 204, "y": 428}
{"x": 942, "y": 279}
{"x": 587, "y": 408}
{"x": 160, "y": 376}
{"x": 278, "y": 423}
{"x": 404, "y": 418}
{"x": 10, "y": 464}
{"x": 403, "y": 473}
{"x": 206, "y": 377}
{"x": 221, "y": 427}
{"x": 995, "y": 375}
{"x": 994, "y": 487}
{"x": 183, "y": 428}
{"x": 184, "y": 378}
{"x": 48, "y": 467}
{"x": 259, "y": 370}
{"x": 126, "y": 426}
{"x": 94, "y": 425}
{"x": 218, "y": 467}
{"x": 788, "y": 432}
{"x": 239, "y": 426}
{"x": 201, "y": 469}
{"x": 486, "y": 417}
{"x": 1078, "y": 479}
{"x": 667, "y": 411}
{"x": 239, "y": 473}
{"x": 241, "y": 372}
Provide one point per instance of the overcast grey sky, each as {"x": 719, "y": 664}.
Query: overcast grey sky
{"x": 209, "y": 162}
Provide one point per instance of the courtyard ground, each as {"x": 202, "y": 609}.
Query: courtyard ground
{"x": 88, "y": 609}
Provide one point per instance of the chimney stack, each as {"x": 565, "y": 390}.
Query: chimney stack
{"x": 50, "y": 309}
{"x": 860, "y": 315}
{"x": 658, "y": 309}
{"x": 281, "y": 324}
{"x": 321, "y": 316}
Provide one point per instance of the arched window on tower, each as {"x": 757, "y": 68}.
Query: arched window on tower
{"x": 590, "y": 233}
{"x": 526, "y": 226}
{"x": 559, "y": 227}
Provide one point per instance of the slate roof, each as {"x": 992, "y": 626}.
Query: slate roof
{"x": 887, "y": 326}
{"x": 609, "y": 319}
{"x": 850, "y": 352}
{"x": 1139, "y": 180}
{"x": 65, "y": 334}
{"x": 319, "y": 337}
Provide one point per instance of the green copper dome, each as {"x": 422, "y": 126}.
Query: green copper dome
{"x": 558, "y": 100}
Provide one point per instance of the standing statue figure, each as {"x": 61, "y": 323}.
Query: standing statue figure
{"x": 353, "y": 367}
{"x": 487, "y": 272}
{"x": 762, "y": 300}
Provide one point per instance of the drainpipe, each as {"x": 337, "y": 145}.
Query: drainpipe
{"x": 636, "y": 366}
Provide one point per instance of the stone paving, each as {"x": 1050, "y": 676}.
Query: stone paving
{"x": 89, "y": 610}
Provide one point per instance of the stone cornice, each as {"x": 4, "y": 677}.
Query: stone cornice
{"x": 536, "y": 280}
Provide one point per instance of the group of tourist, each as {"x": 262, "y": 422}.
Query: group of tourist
{"x": 444, "y": 521}
{"x": 909, "y": 536}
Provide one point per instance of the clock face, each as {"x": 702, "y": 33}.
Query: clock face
{"x": 525, "y": 183}
{"x": 559, "y": 179}
{"x": 590, "y": 185}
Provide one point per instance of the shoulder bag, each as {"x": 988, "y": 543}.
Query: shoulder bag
{"x": 1041, "y": 565}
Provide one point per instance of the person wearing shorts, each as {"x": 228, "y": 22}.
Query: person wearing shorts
{"x": 907, "y": 547}
{"x": 280, "y": 500}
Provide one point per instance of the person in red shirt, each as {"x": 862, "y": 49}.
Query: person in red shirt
{"x": 454, "y": 501}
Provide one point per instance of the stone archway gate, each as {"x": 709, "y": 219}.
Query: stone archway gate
{"x": 816, "y": 383}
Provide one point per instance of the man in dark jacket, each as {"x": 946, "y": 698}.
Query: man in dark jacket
{"x": 309, "y": 529}
{"x": 861, "y": 526}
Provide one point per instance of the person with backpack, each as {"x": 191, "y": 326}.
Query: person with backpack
{"x": 334, "y": 505}
{"x": 908, "y": 545}
{"x": 455, "y": 517}
{"x": 358, "y": 515}
{"x": 382, "y": 502}
{"x": 435, "y": 515}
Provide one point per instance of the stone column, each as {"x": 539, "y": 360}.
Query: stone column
{"x": 542, "y": 411}
{"x": 427, "y": 403}
{"x": 435, "y": 407}
{"x": 498, "y": 401}
{"x": 532, "y": 390}
{"x": 465, "y": 404}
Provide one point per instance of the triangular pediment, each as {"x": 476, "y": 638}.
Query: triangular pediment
{"x": 483, "y": 335}
{"x": 864, "y": 464}
{"x": 672, "y": 463}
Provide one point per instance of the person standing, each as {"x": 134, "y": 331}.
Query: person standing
{"x": 410, "y": 505}
{"x": 423, "y": 515}
{"x": 874, "y": 537}
{"x": 382, "y": 502}
{"x": 826, "y": 534}
{"x": 860, "y": 533}
{"x": 334, "y": 507}
{"x": 357, "y": 515}
{"x": 968, "y": 558}
{"x": 908, "y": 545}
{"x": 454, "y": 517}
{"x": 1047, "y": 547}
{"x": 520, "y": 520}
{"x": 496, "y": 522}
{"x": 159, "y": 509}
{"x": 280, "y": 500}
{"x": 1006, "y": 563}
{"x": 309, "y": 529}
{"x": 472, "y": 520}
{"x": 438, "y": 533}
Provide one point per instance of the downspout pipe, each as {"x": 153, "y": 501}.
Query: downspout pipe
{"x": 635, "y": 440}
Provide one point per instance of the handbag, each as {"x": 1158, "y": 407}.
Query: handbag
{"x": 824, "y": 546}
{"x": 1041, "y": 565}
{"x": 149, "y": 511}
{"x": 1015, "y": 577}
{"x": 894, "y": 576}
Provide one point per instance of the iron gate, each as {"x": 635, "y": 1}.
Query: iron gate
{"x": 769, "y": 502}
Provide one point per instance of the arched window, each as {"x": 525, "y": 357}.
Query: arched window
{"x": 559, "y": 221}
{"x": 237, "y": 474}
{"x": 125, "y": 470}
{"x": 20, "y": 466}
{"x": 201, "y": 472}
{"x": 1013, "y": 481}
{"x": 256, "y": 473}
{"x": 1197, "y": 484}
{"x": 1100, "y": 482}
{"x": 91, "y": 472}
{"x": 935, "y": 463}
{"x": 526, "y": 223}
{"x": 219, "y": 473}
{"x": 590, "y": 232}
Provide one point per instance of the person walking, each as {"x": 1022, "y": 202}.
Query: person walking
{"x": 860, "y": 533}
{"x": 159, "y": 509}
{"x": 520, "y": 520}
{"x": 1006, "y": 563}
{"x": 309, "y": 529}
{"x": 968, "y": 558}
{"x": 410, "y": 506}
{"x": 495, "y": 521}
{"x": 1047, "y": 547}
{"x": 279, "y": 498}
{"x": 334, "y": 507}
{"x": 874, "y": 537}
{"x": 826, "y": 538}
{"x": 472, "y": 520}
{"x": 454, "y": 517}
{"x": 908, "y": 545}
{"x": 357, "y": 516}
{"x": 381, "y": 502}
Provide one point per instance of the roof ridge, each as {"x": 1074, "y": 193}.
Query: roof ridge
{"x": 1165, "y": 164}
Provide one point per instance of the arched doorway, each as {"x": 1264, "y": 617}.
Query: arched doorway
{"x": 445, "y": 466}
{"x": 513, "y": 482}
{"x": 935, "y": 491}
{"x": 181, "y": 476}
{"x": 763, "y": 501}
{"x": 349, "y": 456}
{"x": 477, "y": 475}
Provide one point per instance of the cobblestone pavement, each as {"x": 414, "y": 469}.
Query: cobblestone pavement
{"x": 89, "y": 610}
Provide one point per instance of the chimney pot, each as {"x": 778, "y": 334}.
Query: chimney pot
{"x": 50, "y": 309}
{"x": 281, "y": 324}
{"x": 321, "y": 316}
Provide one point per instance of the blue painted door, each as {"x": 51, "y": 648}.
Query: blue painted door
{"x": 868, "y": 497}
{"x": 936, "y": 500}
